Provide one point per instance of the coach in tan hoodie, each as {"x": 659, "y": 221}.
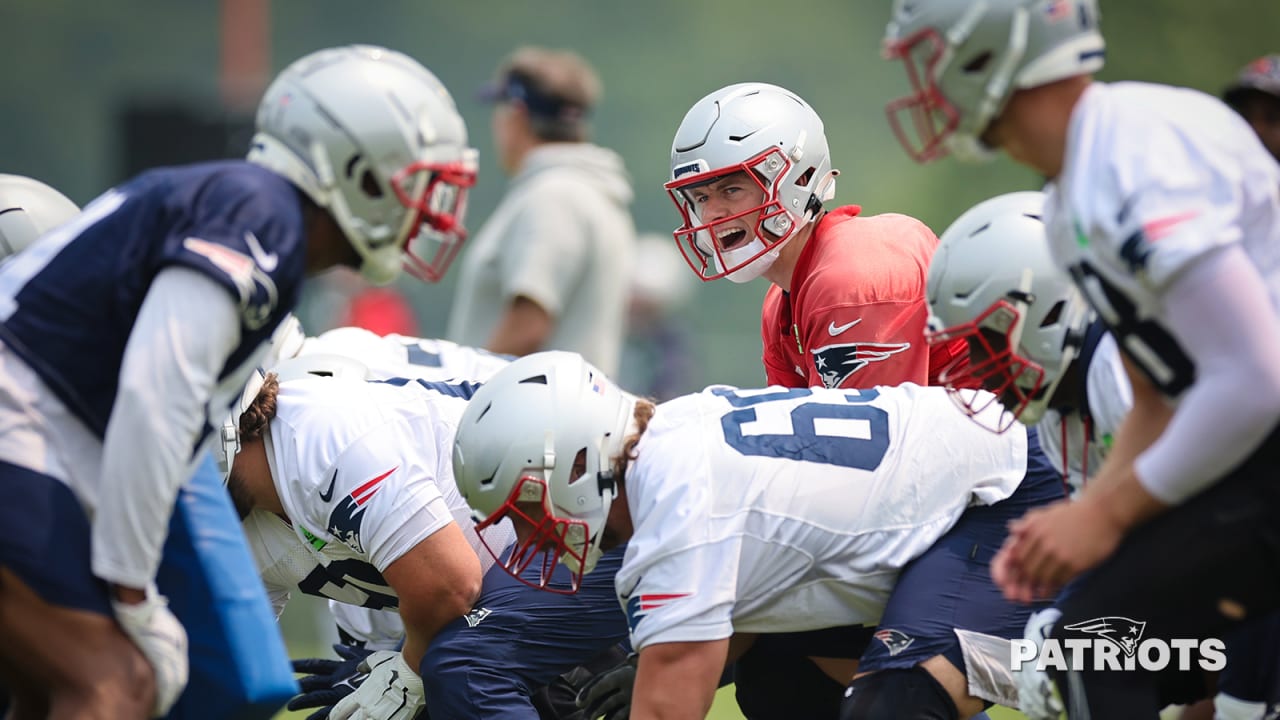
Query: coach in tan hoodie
{"x": 549, "y": 268}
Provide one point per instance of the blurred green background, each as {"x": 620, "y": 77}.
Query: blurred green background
{"x": 83, "y": 84}
{"x": 72, "y": 70}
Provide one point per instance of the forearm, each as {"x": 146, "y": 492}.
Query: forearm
{"x": 523, "y": 329}
{"x": 1221, "y": 313}
{"x": 677, "y": 681}
{"x": 185, "y": 330}
{"x": 437, "y": 581}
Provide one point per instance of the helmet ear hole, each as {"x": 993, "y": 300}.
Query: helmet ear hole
{"x": 977, "y": 64}
{"x": 806, "y": 176}
{"x": 369, "y": 184}
{"x": 1052, "y": 317}
{"x": 579, "y": 470}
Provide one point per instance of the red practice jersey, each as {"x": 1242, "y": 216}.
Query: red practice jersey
{"x": 856, "y": 313}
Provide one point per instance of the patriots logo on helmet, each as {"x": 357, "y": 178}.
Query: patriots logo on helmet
{"x": 1122, "y": 632}
{"x": 835, "y": 363}
{"x": 344, "y": 521}
{"x": 895, "y": 640}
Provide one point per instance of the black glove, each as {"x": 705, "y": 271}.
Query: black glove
{"x": 609, "y": 693}
{"x": 328, "y": 681}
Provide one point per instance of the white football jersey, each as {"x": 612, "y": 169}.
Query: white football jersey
{"x": 364, "y": 472}
{"x": 1154, "y": 178}
{"x": 401, "y": 356}
{"x": 1110, "y": 396}
{"x": 781, "y": 510}
{"x": 404, "y": 356}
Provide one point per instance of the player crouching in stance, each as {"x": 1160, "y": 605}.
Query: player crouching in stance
{"x": 345, "y": 494}
{"x": 774, "y": 510}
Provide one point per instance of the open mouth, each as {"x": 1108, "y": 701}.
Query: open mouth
{"x": 731, "y": 238}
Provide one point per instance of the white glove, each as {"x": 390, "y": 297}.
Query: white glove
{"x": 393, "y": 691}
{"x": 163, "y": 642}
{"x": 1037, "y": 697}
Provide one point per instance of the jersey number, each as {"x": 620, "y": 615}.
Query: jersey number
{"x": 351, "y": 581}
{"x": 857, "y": 435}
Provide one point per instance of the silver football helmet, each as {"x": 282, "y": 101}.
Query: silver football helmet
{"x": 517, "y": 443}
{"x": 778, "y": 142}
{"x": 965, "y": 58}
{"x": 373, "y": 137}
{"x": 28, "y": 209}
{"x": 993, "y": 283}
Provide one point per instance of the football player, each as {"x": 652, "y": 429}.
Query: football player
{"x": 751, "y": 176}
{"x": 764, "y": 511}
{"x": 127, "y": 332}
{"x": 1035, "y": 344}
{"x": 1033, "y": 341}
{"x": 494, "y": 661}
{"x": 343, "y": 494}
{"x": 1164, "y": 207}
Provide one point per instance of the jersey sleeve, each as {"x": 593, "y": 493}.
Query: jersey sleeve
{"x": 686, "y": 596}
{"x": 386, "y": 498}
{"x": 677, "y": 583}
{"x": 1163, "y": 215}
{"x": 245, "y": 235}
{"x": 183, "y": 334}
{"x": 548, "y": 248}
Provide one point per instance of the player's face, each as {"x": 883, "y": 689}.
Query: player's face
{"x": 241, "y": 498}
{"x": 1262, "y": 111}
{"x": 728, "y": 196}
{"x": 982, "y": 350}
{"x": 533, "y": 514}
{"x": 505, "y": 124}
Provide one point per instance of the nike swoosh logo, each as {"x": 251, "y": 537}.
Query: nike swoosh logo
{"x": 327, "y": 495}
{"x": 834, "y": 330}
{"x": 267, "y": 261}
{"x": 627, "y": 595}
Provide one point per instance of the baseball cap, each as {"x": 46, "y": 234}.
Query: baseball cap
{"x": 1261, "y": 75}
{"x": 552, "y": 84}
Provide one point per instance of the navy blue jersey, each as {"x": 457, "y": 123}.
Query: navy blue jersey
{"x": 69, "y": 302}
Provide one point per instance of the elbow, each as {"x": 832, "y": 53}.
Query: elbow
{"x": 464, "y": 595}
{"x": 456, "y": 597}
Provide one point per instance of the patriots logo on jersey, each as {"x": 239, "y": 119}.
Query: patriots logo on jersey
{"x": 895, "y": 640}
{"x": 1122, "y": 632}
{"x": 640, "y": 605}
{"x": 344, "y": 521}
{"x": 258, "y": 293}
{"x": 835, "y": 363}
